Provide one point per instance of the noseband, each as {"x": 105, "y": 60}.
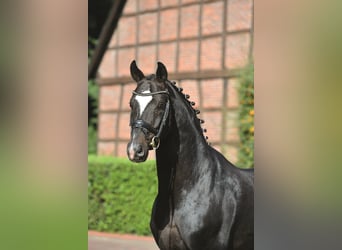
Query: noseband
{"x": 142, "y": 124}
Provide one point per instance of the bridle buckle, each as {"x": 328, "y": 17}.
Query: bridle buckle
{"x": 155, "y": 142}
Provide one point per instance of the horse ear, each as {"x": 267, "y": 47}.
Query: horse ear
{"x": 136, "y": 73}
{"x": 161, "y": 71}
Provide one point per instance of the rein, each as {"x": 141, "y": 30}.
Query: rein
{"x": 155, "y": 142}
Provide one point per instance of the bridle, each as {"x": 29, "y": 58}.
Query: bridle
{"x": 139, "y": 123}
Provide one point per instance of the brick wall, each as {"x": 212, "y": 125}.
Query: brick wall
{"x": 200, "y": 42}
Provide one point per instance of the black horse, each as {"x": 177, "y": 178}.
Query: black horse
{"x": 203, "y": 201}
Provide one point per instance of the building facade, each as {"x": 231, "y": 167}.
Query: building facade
{"x": 203, "y": 45}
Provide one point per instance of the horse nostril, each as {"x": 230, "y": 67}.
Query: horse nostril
{"x": 140, "y": 151}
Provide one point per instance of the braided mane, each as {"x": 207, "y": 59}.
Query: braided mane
{"x": 191, "y": 104}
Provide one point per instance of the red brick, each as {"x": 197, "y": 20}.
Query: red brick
{"x": 189, "y": 21}
{"x": 237, "y": 49}
{"x": 211, "y": 53}
{"x": 212, "y": 123}
{"x": 105, "y": 148}
{"x": 125, "y": 58}
{"x": 212, "y": 93}
{"x": 127, "y": 29}
{"x": 122, "y": 149}
{"x": 114, "y": 41}
{"x": 148, "y": 5}
{"x": 239, "y": 14}
{"x": 217, "y": 147}
{"x": 109, "y": 97}
{"x": 130, "y": 7}
{"x": 232, "y": 154}
{"x": 168, "y": 24}
{"x": 148, "y": 27}
{"x": 232, "y": 119}
{"x": 152, "y": 155}
{"x": 127, "y": 94}
{"x": 167, "y": 55}
{"x": 191, "y": 88}
{"x": 147, "y": 58}
{"x": 232, "y": 134}
{"x": 166, "y": 3}
{"x": 233, "y": 94}
{"x": 107, "y": 126}
{"x": 188, "y": 54}
{"x": 107, "y": 66}
{"x": 190, "y": 1}
{"x": 124, "y": 128}
{"x": 212, "y": 19}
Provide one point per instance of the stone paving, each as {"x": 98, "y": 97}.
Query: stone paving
{"x": 108, "y": 241}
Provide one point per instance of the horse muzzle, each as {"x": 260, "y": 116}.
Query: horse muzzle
{"x": 137, "y": 152}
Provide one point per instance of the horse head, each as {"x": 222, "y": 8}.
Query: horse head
{"x": 150, "y": 108}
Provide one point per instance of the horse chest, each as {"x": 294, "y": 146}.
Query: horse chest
{"x": 187, "y": 234}
{"x": 165, "y": 228}
{"x": 171, "y": 239}
{"x": 183, "y": 223}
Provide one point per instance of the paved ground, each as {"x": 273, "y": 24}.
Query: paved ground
{"x": 107, "y": 241}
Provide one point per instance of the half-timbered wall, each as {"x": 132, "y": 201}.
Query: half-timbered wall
{"x": 203, "y": 45}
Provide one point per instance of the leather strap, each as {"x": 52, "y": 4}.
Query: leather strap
{"x": 142, "y": 124}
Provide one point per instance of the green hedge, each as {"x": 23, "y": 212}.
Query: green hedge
{"x": 246, "y": 118}
{"x": 120, "y": 195}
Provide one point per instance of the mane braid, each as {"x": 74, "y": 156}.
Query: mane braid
{"x": 191, "y": 104}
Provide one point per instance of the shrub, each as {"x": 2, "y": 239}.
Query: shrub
{"x": 246, "y": 118}
{"x": 93, "y": 99}
{"x": 120, "y": 195}
{"x": 92, "y": 140}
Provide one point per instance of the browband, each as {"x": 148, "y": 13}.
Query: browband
{"x": 153, "y": 93}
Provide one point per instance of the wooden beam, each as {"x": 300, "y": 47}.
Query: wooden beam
{"x": 206, "y": 74}
{"x": 105, "y": 36}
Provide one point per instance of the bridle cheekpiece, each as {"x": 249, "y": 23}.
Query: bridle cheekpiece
{"x": 155, "y": 142}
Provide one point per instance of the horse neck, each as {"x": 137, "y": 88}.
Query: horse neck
{"x": 183, "y": 145}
